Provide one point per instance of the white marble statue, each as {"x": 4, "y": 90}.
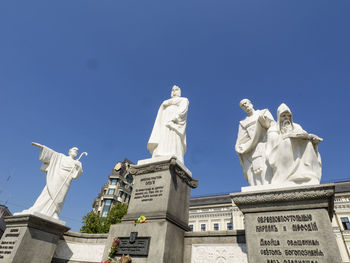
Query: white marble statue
{"x": 251, "y": 144}
{"x": 60, "y": 170}
{"x": 292, "y": 153}
{"x": 168, "y": 136}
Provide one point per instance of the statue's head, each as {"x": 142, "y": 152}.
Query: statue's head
{"x": 73, "y": 152}
{"x": 284, "y": 118}
{"x": 175, "y": 91}
{"x": 247, "y": 106}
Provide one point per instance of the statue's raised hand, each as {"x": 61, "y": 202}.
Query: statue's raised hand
{"x": 37, "y": 145}
{"x": 315, "y": 138}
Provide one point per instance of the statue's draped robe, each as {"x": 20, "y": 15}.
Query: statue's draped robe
{"x": 292, "y": 157}
{"x": 252, "y": 139}
{"x": 169, "y": 138}
{"x": 60, "y": 170}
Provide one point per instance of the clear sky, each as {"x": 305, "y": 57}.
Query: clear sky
{"x": 92, "y": 74}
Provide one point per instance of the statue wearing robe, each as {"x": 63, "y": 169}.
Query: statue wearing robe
{"x": 168, "y": 137}
{"x": 60, "y": 170}
{"x": 292, "y": 152}
{"x": 251, "y": 142}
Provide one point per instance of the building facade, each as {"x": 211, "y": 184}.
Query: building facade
{"x": 117, "y": 189}
{"x": 4, "y": 211}
{"x": 219, "y": 213}
{"x": 214, "y": 213}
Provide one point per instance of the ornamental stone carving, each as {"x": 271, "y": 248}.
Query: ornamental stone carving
{"x": 219, "y": 253}
{"x": 170, "y": 164}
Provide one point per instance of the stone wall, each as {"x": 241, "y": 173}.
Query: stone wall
{"x": 80, "y": 248}
{"x": 215, "y": 246}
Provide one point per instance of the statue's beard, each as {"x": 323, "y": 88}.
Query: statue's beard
{"x": 286, "y": 126}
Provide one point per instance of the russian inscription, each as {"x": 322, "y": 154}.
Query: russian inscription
{"x": 8, "y": 242}
{"x": 287, "y": 237}
{"x": 149, "y": 189}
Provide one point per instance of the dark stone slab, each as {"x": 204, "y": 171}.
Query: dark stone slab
{"x": 139, "y": 247}
{"x": 289, "y": 225}
{"x": 29, "y": 238}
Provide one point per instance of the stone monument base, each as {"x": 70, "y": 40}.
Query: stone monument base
{"x": 289, "y": 225}
{"x": 161, "y": 194}
{"x": 165, "y": 241}
{"x": 30, "y": 238}
{"x": 51, "y": 219}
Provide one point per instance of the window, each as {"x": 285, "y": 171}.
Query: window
{"x": 129, "y": 178}
{"x": 216, "y": 226}
{"x": 106, "y": 208}
{"x": 114, "y": 181}
{"x": 345, "y": 222}
{"x": 203, "y": 227}
{"x": 229, "y": 226}
{"x": 111, "y": 191}
{"x": 122, "y": 184}
{"x": 120, "y": 194}
{"x": 191, "y": 228}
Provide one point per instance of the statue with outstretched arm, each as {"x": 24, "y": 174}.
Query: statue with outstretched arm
{"x": 60, "y": 170}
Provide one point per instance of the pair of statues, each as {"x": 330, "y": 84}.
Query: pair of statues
{"x": 168, "y": 138}
{"x": 276, "y": 152}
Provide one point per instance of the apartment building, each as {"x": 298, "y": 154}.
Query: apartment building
{"x": 118, "y": 188}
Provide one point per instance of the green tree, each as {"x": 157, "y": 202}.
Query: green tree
{"x": 116, "y": 213}
{"x": 93, "y": 223}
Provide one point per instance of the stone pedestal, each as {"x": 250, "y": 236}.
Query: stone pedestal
{"x": 161, "y": 194}
{"x": 30, "y": 238}
{"x": 289, "y": 225}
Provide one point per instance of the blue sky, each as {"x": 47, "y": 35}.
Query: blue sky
{"x": 92, "y": 74}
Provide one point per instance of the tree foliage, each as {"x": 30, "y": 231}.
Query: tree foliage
{"x": 93, "y": 223}
{"x": 116, "y": 213}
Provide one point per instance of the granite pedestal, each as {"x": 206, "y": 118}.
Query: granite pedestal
{"x": 30, "y": 238}
{"x": 289, "y": 225}
{"x": 161, "y": 194}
